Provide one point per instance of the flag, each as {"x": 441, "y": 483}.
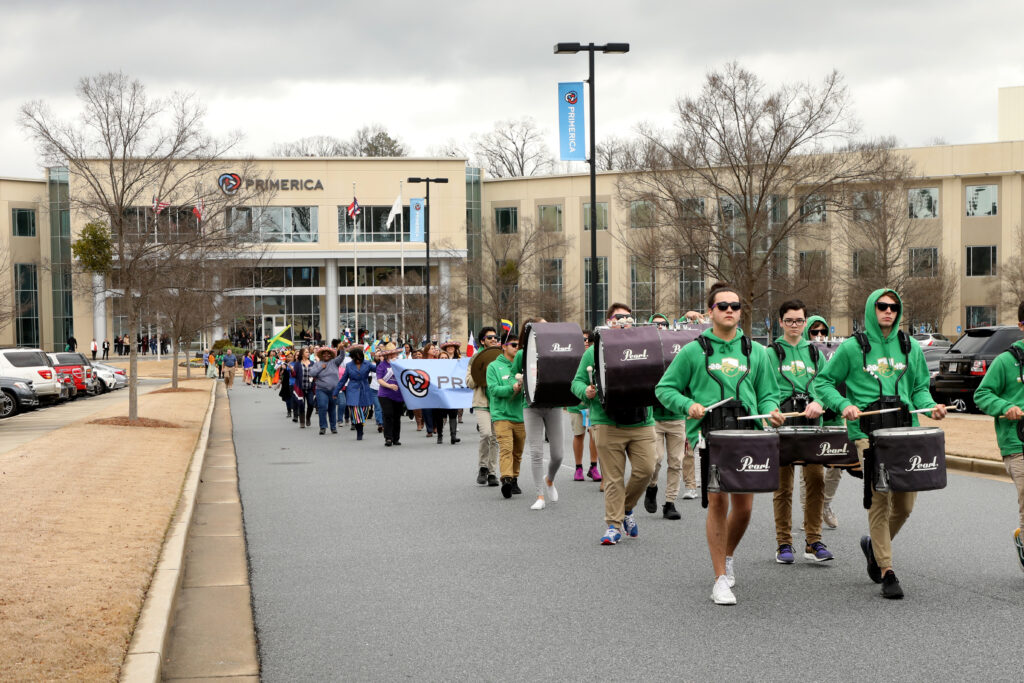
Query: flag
{"x": 470, "y": 345}
{"x": 353, "y": 208}
{"x": 265, "y": 377}
{"x": 279, "y": 340}
{"x": 506, "y": 325}
{"x": 396, "y": 210}
{"x": 159, "y": 205}
{"x": 199, "y": 210}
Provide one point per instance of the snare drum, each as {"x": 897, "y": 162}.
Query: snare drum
{"x": 829, "y": 446}
{"x": 550, "y": 358}
{"x": 909, "y": 459}
{"x": 742, "y": 461}
{"x": 629, "y": 365}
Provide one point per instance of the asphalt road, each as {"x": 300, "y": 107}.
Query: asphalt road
{"x": 372, "y": 563}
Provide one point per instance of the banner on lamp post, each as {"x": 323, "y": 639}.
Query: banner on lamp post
{"x": 416, "y": 207}
{"x": 571, "y": 131}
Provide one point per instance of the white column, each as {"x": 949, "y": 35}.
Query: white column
{"x": 99, "y": 310}
{"x": 332, "y": 326}
{"x": 218, "y": 330}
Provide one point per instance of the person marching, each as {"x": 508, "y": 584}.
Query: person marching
{"x": 579, "y": 421}
{"x": 796, "y": 364}
{"x": 621, "y": 432}
{"x": 706, "y": 372}
{"x": 1001, "y": 395}
{"x": 487, "y": 461}
{"x": 879, "y": 366}
{"x": 355, "y": 381}
{"x": 817, "y": 330}
{"x": 507, "y": 413}
{"x": 390, "y": 396}
{"x": 673, "y": 448}
{"x": 303, "y": 388}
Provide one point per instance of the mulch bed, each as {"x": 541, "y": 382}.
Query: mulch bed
{"x": 170, "y": 390}
{"x": 140, "y": 422}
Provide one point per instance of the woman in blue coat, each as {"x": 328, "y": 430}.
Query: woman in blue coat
{"x": 355, "y": 382}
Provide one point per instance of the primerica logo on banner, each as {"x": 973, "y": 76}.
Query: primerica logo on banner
{"x": 572, "y": 133}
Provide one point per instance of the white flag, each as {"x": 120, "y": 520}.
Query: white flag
{"x": 396, "y": 209}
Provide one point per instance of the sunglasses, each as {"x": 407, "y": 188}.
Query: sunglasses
{"x": 730, "y": 305}
{"x": 818, "y": 332}
{"x": 491, "y": 336}
{"x": 512, "y": 343}
{"x": 622, "y": 316}
{"x": 882, "y": 306}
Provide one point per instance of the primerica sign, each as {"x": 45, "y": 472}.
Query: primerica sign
{"x": 570, "y": 124}
{"x": 230, "y": 183}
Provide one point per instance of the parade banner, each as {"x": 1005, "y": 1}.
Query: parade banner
{"x": 416, "y": 207}
{"x": 433, "y": 383}
{"x": 571, "y": 131}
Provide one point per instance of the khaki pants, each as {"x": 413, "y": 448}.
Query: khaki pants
{"x": 670, "y": 441}
{"x": 511, "y": 438}
{"x": 832, "y": 477}
{"x": 488, "y": 443}
{"x": 614, "y": 446}
{"x": 229, "y": 377}
{"x": 1015, "y": 468}
{"x": 814, "y": 485}
{"x": 889, "y": 511}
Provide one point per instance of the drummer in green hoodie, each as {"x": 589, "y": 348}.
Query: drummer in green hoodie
{"x": 1001, "y": 395}
{"x": 895, "y": 367}
{"x": 817, "y": 330}
{"x": 796, "y": 364}
{"x": 694, "y": 381}
{"x": 506, "y": 405}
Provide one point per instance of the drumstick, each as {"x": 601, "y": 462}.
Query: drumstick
{"x": 879, "y": 412}
{"x": 715, "y": 405}
{"x": 768, "y": 416}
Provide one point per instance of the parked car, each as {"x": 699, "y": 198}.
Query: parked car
{"x": 16, "y": 395}
{"x": 111, "y": 377}
{"x": 932, "y": 354}
{"x": 32, "y": 365}
{"x": 931, "y": 339}
{"x": 80, "y": 369}
{"x": 965, "y": 363}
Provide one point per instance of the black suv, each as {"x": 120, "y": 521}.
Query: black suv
{"x": 968, "y": 359}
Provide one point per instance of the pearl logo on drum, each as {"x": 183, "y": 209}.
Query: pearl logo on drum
{"x": 628, "y": 355}
{"x": 747, "y": 464}
{"x": 558, "y": 348}
{"x": 917, "y": 464}
{"x": 825, "y": 449}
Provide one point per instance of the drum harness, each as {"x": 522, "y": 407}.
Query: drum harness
{"x": 798, "y": 402}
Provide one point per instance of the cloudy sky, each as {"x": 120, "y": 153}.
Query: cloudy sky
{"x": 433, "y": 72}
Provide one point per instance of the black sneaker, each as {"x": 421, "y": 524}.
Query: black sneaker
{"x": 322, "y": 432}
{"x": 440, "y": 439}
{"x": 874, "y": 571}
{"x": 669, "y": 511}
{"x": 515, "y": 486}
{"x": 481, "y": 478}
{"x": 387, "y": 443}
{"x": 891, "y": 586}
{"x": 492, "y": 480}
{"x": 506, "y": 487}
{"x": 456, "y": 440}
{"x": 651, "y": 499}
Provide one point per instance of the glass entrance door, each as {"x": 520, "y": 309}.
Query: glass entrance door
{"x": 272, "y": 325}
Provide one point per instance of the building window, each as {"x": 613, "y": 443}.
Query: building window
{"x": 602, "y": 291}
{"x": 371, "y": 225}
{"x": 506, "y": 220}
{"x": 923, "y": 202}
{"x": 981, "y": 316}
{"x": 24, "y": 222}
{"x": 691, "y": 285}
{"x": 602, "y": 215}
{"x": 812, "y": 264}
{"x": 549, "y": 217}
{"x": 26, "y": 300}
{"x": 288, "y": 276}
{"x": 864, "y": 262}
{"x": 812, "y": 209}
{"x": 867, "y": 205}
{"x": 924, "y": 261}
{"x": 691, "y": 207}
{"x": 982, "y": 200}
{"x": 382, "y": 276}
{"x": 641, "y": 214}
{"x": 779, "y": 209}
{"x": 552, "y": 304}
{"x": 641, "y": 278}
{"x": 981, "y": 261}
{"x": 276, "y": 223}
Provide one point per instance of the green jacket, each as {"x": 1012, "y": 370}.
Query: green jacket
{"x": 885, "y": 363}
{"x": 597, "y": 414}
{"x": 1001, "y": 389}
{"x": 688, "y": 379}
{"x": 837, "y": 420}
{"x": 504, "y": 404}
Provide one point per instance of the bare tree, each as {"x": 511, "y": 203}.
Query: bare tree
{"x": 144, "y": 167}
{"x": 8, "y": 306}
{"x": 368, "y": 141}
{"x": 730, "y": 183}
{"x": 618, "y": 154}
{"x": 513, "y": 149}
{"x": 450, "y": 149}
{"x": 312, "y": 146}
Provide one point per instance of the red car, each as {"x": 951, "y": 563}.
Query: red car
{"x": 77, "y": 367}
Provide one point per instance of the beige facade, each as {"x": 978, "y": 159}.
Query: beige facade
{"x": 24, "y": 255}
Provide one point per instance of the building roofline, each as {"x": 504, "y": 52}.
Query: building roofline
{"x": 23, "y": 180}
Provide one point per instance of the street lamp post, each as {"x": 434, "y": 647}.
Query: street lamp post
{"x": 426, "y": 237}
{"x": 591, "y": 48}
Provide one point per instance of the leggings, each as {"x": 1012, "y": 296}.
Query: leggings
{"x": 537, "y": 421}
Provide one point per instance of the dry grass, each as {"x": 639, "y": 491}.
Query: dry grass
{"x": 122, "y": 421}
{"x": 82, "y": 521}
{"x": 169, "y": 390}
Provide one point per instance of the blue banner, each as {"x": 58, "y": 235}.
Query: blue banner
{"x": 571, "y": 131}
{"x": 416, "y": 207}
{"x": 434, "y": 383}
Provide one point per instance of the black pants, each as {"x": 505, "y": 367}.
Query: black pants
{"x": 439, "y": 416}
{"x": 392, "y": 411}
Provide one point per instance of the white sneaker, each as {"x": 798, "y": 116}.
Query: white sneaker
{"x": 721, "y": 593}
{"x": 538, "y": 505}
{"x": 730, "y": 573}
{"x": 552, "y": 492}
{"x": 689, "y": 494}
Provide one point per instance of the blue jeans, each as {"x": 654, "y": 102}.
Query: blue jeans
{"x": 342, "y": 405}
{"x": 326, "y": 409}
{"x": 377, "y": 412}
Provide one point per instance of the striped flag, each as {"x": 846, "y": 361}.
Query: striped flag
{"x": 353, "y": 208}
{"x": 159, "y": 205}
{"x": 506, "y": 325}
{"x": 199, "y": 210}
{"x": 470, "y": 345}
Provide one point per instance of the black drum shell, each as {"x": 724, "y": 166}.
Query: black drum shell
{"x": 629, "y": 365}
{"x": 829, "y": 446}
{"x": 910, "y": 458}
{"x": 558, "y": 348}
{"x": 743, "y": 461}
{"x": 673, "y": 341}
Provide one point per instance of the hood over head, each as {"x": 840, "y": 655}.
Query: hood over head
{"x": 810, "y": 323}
{"x": 871, "y": 320}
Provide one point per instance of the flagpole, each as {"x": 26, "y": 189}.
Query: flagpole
{"x": 355, "y": 259}
{"x": 401, "y": 241}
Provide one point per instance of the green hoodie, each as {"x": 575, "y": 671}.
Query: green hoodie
{"x": 836, "y": 421}
{"x": 597, "y": 414}
{"x": 1001, "y": 389}
{"x": 885, "y": 363}
{"x": 505, "y": 405}
{"x": 688, "y": 380}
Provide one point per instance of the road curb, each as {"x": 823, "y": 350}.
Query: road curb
{"x": 144, "y": 659}
{"x": 987, "y": 467}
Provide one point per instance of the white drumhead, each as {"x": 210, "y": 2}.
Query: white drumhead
{"x": 530, "y": 365}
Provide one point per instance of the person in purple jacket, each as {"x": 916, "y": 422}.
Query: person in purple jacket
{"x": 391, "y": 403}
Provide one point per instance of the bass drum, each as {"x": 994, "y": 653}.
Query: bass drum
{"x": 629, "y": 365}
{"x": 478, "y": 366}
{"x": 550, "y": 359}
